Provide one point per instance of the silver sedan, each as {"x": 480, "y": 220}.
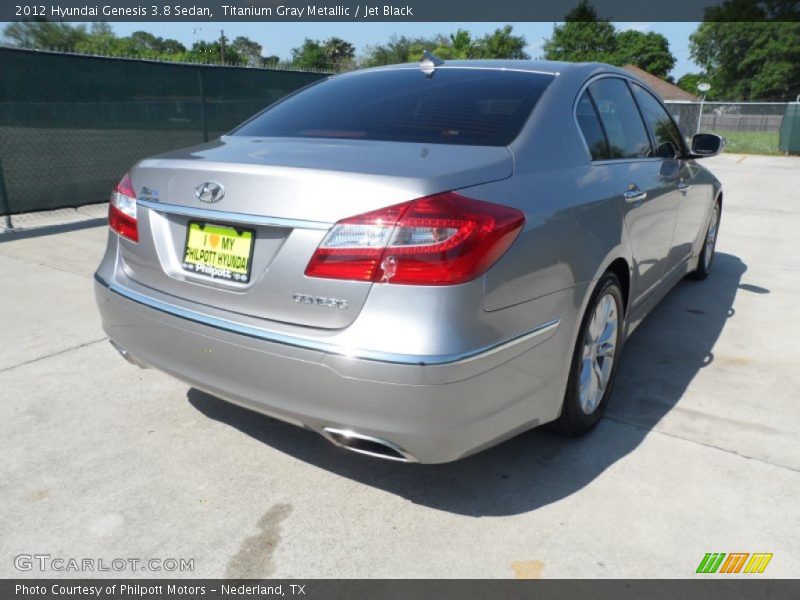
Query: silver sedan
{"x": 416, "y": 261}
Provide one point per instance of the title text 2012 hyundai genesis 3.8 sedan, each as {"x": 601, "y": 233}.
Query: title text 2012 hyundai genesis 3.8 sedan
{"x": 415, "y": 261}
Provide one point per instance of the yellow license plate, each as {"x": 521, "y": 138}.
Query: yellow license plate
{"x": 219, "y": 251}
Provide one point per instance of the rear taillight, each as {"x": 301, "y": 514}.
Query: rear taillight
{"x": 122, "y": 210}
{"x": 443, "y": 239}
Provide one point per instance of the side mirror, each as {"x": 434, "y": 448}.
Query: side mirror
{"x": 707, "y": 144}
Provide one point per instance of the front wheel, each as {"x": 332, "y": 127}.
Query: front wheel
{"x": 709, "y": 246}
{"x": 595, "y": 359}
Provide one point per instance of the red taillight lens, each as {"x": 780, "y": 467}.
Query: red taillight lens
{"x": 122, "y": 210}
{"x": 443, "y": 239}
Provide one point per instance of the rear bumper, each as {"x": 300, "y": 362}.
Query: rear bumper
{"x": 431, "y": 412}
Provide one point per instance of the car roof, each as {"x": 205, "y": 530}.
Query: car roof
{"x": 534, "y": 66}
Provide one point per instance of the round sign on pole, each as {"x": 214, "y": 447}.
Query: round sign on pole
{"x": 703, "y": 87}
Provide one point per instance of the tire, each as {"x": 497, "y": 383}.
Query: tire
{"x": 590, "y": 368}
{"x": 706, "y": 260}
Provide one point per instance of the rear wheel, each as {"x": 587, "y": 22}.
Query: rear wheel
{"x": 595, "y": 359}
{"x": 706, "y": 259}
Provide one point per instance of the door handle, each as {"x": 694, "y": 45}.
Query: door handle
{"x": 634, "y": 196}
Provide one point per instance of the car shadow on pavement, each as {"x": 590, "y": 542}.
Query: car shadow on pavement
{"x": 539, "y": 467}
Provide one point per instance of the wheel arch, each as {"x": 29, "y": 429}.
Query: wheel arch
{"x": 622, "y": 270}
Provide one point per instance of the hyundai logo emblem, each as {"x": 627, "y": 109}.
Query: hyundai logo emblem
{"x": 209, "y": 192}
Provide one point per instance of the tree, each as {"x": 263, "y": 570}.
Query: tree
{"x": 582, "y": 38}
{"x": 249, "y": 50}
{"x": 648, "y": 51}
{"x": 440, "y": 45}
{"x": 340, "y": 54}
{"x": 211, "y": 53}
{"x": 146, "y": 42}
{"x": 100, "y": 40}
{"x": 44, "y": 35}
{"x": 459, "y": 45}
{"x": 749, "y": 60}
{"x": 749, "y": 11}
{"x": 585, "y": 38}
{"x": 689, "y": 81}
{"x": 101, "y": 29}
{"x": 311, "y": 56}
{"x": 172, "y": 47}
{"x": 395, "y": 51}
{"x": 335, "y": 54}
{"x": 500, "y": 44}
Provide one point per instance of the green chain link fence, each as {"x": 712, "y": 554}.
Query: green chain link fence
{"x": 71, "y": 125}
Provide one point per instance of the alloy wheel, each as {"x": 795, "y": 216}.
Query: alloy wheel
{"x": 599, "y": 353}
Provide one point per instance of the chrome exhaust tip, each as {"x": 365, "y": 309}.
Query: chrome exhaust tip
{"x": 127, "y": 355}
{"x": 366, "y": 444}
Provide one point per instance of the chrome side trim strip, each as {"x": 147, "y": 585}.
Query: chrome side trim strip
{"x": 333, "y": 349}
{"x": 231, "y": 217}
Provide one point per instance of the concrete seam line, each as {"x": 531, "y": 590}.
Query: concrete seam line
{"x": 64, "y": 351}
{"x": 691, "y": 441}
{"x": 45, "y": 265}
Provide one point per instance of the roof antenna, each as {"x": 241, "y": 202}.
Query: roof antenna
{"x": 429, "y": 63}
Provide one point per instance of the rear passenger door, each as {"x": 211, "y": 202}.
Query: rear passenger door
{"x": 648, "y": 201}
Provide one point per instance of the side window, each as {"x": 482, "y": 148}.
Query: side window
{"x": 627, "y": 136}
{"x": 591, "y": 128}
{"x": 668, "y": 138}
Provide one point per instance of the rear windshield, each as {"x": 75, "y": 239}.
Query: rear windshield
{"x": 455, "y": 106}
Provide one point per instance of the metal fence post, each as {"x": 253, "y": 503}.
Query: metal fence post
{"x": 5, "y": 204}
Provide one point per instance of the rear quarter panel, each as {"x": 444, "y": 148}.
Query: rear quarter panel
{"x": 574, "y": 225}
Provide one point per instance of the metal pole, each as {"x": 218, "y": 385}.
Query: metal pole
{"x": 700, "y": 118}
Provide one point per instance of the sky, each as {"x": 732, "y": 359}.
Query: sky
{"x": 279, "y": 38}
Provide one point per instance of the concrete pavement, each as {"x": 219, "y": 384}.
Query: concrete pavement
{"x": 700, "y": 450}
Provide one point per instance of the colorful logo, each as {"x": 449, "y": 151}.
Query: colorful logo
{"x": 735, "y": 562}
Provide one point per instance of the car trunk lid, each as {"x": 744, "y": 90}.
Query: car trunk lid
{"x": 287, "y": 193}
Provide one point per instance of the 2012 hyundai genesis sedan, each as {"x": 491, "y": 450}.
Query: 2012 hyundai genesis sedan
{"x": 415, "y": 261}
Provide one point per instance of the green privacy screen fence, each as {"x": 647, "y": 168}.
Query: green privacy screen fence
{"x": 71, "y": 125}
{"x": 790, "y": 129}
